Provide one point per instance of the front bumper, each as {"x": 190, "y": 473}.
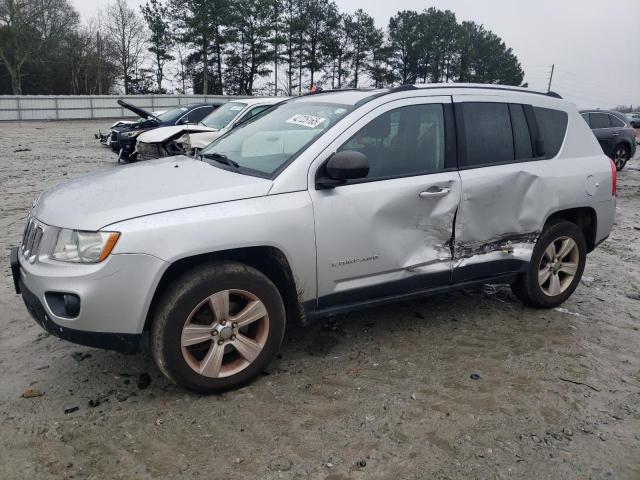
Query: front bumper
{"x": 149, "y": 151}
{"x": 114, "y": 297}
{"x": 126, "y": 147}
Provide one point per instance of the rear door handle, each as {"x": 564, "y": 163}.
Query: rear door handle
{"x": 435, "y": 192}
{"x": 615, "y": 134}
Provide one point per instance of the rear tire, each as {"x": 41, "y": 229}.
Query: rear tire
{"x": 556, "y": 266}
{"x": 217, "y": 327}
{"x": 620, "y": 156}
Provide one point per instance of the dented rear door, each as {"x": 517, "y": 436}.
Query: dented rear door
{"x": 390, "y": 234}
{"x": 504, "y": 195}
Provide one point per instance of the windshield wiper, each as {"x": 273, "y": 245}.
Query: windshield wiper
{"x": 221, "y": 158}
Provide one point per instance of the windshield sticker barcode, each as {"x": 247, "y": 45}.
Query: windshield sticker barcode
{"x": 306, "y": 120}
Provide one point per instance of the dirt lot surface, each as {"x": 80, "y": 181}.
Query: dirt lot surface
{"x": 466, "y": 385}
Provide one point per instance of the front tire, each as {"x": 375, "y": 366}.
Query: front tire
{"x": 217, "y": 327}
{"x": 556, "y": 266}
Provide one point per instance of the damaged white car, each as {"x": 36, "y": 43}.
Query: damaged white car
{"x": 189, "y": 139}
{"x": 326, "y": 203}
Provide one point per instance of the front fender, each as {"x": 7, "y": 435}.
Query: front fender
{"x": 281, "y": 221}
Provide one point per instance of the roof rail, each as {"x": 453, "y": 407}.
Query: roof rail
{"x": 435, "y": 86}
{"x": 403, "y": 88}
{"x": 335, "y": 90}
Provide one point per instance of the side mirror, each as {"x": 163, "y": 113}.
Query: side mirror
{"x": 540, "y": 147}
{"x": 343, "y": 166}
{"x": 183, "y": 121}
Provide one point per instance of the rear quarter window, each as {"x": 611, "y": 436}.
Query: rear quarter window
{"x": 553, "y": 128}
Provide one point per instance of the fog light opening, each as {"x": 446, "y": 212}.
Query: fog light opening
{"x": 63, "y": 305}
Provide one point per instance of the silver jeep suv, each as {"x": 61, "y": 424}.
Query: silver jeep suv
{"x": 325, "y": 203}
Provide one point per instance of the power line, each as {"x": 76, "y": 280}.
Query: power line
{"x": 592, "y": 81}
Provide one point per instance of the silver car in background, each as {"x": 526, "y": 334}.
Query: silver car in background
{"x": 633, "y": 119}
{"x": 327, "y": 203}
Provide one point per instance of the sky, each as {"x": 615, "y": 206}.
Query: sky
{"x": 594, "y": 44}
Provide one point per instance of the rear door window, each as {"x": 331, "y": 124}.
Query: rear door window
{"x": 487, "y": 133}
{"x": 616, "y": 122}
{"x": 553, "y": 127}
{"x": 599, "y": 120}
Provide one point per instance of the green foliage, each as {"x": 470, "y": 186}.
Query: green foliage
{"x": 433, "y": 47}
{"x": 249, "y": 49}
{"x": 240, "y": 47}
{"x": 161, "y": 39}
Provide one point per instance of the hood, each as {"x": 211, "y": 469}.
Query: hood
{"x": 102, "y": 198}
{"x": 160, "y": 135}
{"x": 137, "y": 110}
{"x": 138, "y": 125}
{"x": 201, "y": 140}
{"x": 123, "y": 123}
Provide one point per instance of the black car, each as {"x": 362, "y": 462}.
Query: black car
{"x": 122, "y": 135}
{"x": 617, "y": 138}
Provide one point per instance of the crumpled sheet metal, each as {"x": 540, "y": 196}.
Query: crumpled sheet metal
{"x": 514, "y": 204}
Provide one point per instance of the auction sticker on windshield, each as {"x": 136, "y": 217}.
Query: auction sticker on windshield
{"x": 306, "y": 120}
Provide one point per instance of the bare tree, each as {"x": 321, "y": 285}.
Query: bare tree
{"x": 125, "y": 31}
{"x": 26, "y": 28}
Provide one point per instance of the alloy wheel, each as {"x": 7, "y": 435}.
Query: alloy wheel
{"x": 558, "y": 266}
{"x": 225, "y": 333}
{"x": 620, "y": 157}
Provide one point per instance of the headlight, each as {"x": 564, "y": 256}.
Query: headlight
{"x": 132, "y": 134}
{"x": 79, "y": 246}
{"x": 184, "y": 141}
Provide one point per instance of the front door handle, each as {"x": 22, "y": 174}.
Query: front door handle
{"x": 435, "y": 192}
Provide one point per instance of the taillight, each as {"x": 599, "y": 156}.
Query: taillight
{"x": 614, "y": 179}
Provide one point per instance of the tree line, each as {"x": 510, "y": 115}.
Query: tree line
{"x": 245, "y": 47}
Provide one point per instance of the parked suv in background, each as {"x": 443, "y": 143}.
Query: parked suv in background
{"x": 617, "y": 138}
{"x": 326, "y": 203}
{"x": 633, "y": 119}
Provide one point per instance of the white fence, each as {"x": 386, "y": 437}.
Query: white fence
{"x": 81, "y": 107}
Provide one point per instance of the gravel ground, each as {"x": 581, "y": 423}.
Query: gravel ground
{"x": 465, "y": 385}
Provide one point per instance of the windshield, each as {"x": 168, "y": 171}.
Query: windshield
{"x": 223, "y": 115}
{"x": 271, "y": 139}
{"x": 173, "y": 114}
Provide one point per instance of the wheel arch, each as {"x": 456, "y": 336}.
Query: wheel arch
{"x": 269, "y": 260}
{"x": 584, "y": 217}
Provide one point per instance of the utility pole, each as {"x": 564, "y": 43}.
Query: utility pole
{"x": 551, "y": 77}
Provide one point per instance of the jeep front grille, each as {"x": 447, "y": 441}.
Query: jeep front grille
{"x": 31, "y": 239}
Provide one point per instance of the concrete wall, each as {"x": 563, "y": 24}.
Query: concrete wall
{"x": 68, "y": 107}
